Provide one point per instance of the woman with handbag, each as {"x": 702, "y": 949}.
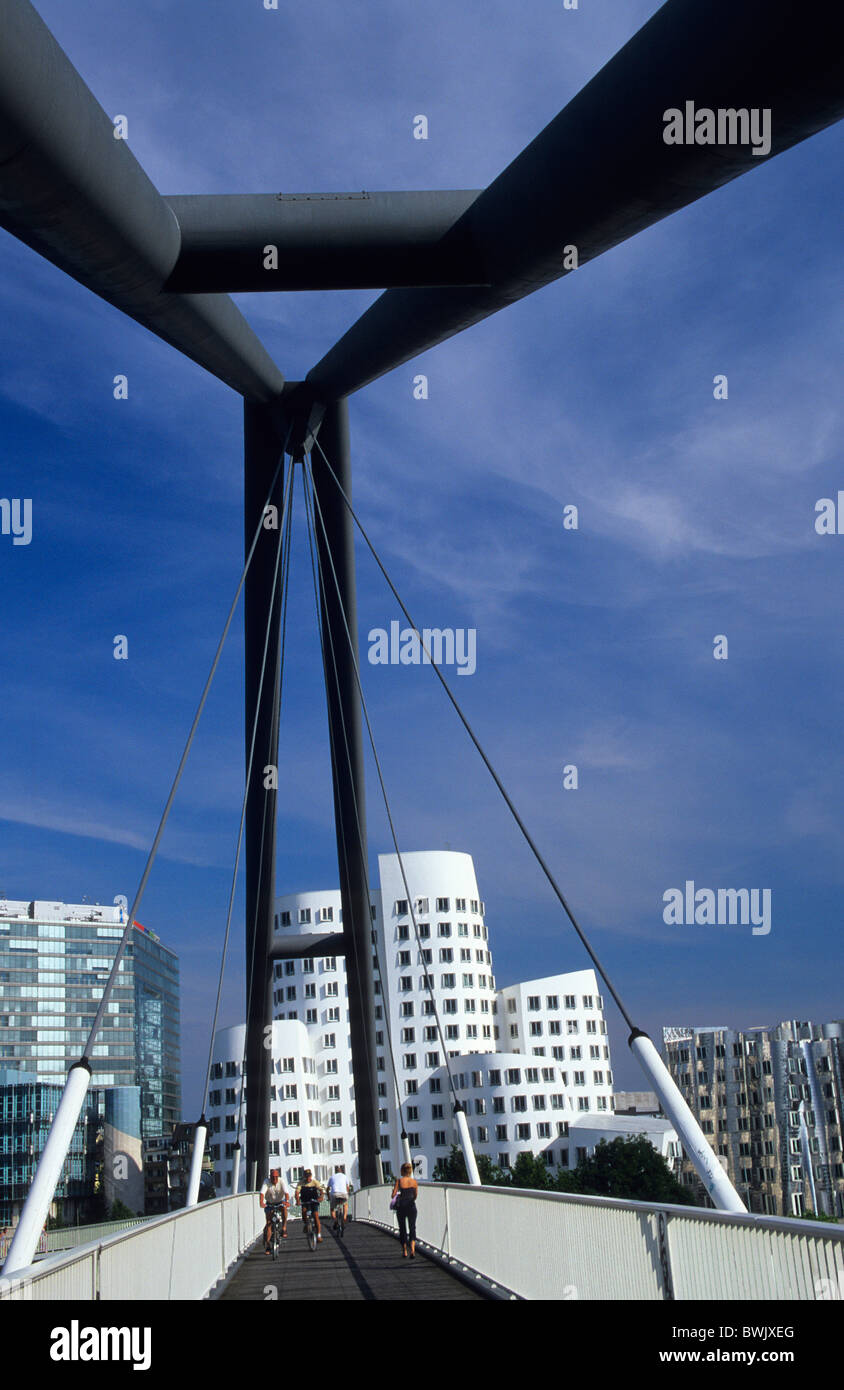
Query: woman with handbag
{"x": 403, "y": 1203}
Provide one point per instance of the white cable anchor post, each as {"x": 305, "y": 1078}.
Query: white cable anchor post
{"x": 692, "y": 1137}
{"x": 37, "y": 1206}
{"x": 236, "y": 1168}
{"x": 405, "y": 1145}
{"x": 466, "y": 1145}
{"x": 199, "y": 1137}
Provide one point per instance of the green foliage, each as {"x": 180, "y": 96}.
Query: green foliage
{"x": 630, "y": 1169}
{"x": 453, "y": 1169}
{"x": 120, "y": 1211}
{"x": 532, "y": 1173}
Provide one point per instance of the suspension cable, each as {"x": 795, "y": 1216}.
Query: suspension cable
{"x": 427, "y": 978}
{"x": 95, "y": 1028}
{"x": 500, "y": 785}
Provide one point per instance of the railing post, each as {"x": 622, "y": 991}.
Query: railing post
{"x": 662, "y": 1220}
{"x": 447, "y": 1226}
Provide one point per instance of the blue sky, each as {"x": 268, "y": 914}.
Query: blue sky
{"x": 594, "y": 647}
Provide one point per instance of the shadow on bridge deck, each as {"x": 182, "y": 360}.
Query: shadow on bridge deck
{"x": 367, "y": 1265}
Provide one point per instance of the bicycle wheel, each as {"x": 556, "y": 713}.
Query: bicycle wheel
{"x": 341, "y": 1224}
{"x": 312, "y": 1233}
{"x": 275, "y": 1240}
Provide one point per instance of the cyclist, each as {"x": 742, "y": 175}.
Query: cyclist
{"x": 309, "y": 1194}
{"x": 274, "y": 1196}
{"x": 339, "y": 1188}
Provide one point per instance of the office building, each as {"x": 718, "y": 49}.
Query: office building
{"x": 771, "y": 1101}
{"x": 54, "y": 961}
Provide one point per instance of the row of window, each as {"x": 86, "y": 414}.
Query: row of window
{"x": 446, "y": 957}
{"x": 321, "y": 915}
{"x": 552, "y": 1002}
{"x": 423, "y": 931}
{"x": 555, "y": 1028}
{"x": 331, "y": 990}
{"x": 402, "y": 909}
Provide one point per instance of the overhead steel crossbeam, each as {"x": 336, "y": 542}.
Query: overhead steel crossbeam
{"x": 602, "y": 171}
{"x": 77, "y": 195}
{"x": 321, "y": 241}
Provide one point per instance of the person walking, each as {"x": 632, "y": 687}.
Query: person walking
{"x": 404, "y": 1194}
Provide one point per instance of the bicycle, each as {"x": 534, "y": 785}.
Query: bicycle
{"x": 309, "y": 1226}
{"x": 275, "y": 1234}
{"x": 340, "y": 1219}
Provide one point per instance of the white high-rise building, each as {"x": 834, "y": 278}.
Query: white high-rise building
{"x": 524, "y": 1061}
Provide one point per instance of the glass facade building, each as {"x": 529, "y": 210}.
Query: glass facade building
{"x": 54, "y": 962}
{"x": 27, "y": 1107}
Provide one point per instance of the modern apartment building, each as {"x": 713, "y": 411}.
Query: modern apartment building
{"x": 771, "y": 1101}
{"x": 54, "y": 962}
{"x": 523, "y": 1061}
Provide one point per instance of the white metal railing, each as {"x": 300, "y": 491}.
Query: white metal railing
{"x": 66, "y": 1237}
{"x": 179, "y": 1256}
{"x": 554, "y": 1245}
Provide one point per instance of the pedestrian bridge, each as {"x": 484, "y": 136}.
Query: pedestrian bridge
{"x": 489, "y": 1243}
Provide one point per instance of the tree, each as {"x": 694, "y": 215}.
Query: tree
{"x": 453, "y": 1169}
{"x": 632, "y": 1170}
{"x": 120, "y": 1211}
{"x": 531, "y": 1172}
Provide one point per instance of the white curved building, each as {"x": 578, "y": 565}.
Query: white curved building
{"x": 524, "y": 1060}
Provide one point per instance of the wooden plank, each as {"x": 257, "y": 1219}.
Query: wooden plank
{"x": 367, "y": 1266}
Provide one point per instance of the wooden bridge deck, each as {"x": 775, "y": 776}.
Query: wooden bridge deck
{"x": 366, "y": 1266}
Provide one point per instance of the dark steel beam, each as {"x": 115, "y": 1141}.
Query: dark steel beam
{"x": 601, "y": 171}
{"x": 286, "y": 947}
{"x": 339, "y": 613}
{"x": 78, "y": 196}
{"x": 262, "y": 452}
{"x": 322, "y": 241}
